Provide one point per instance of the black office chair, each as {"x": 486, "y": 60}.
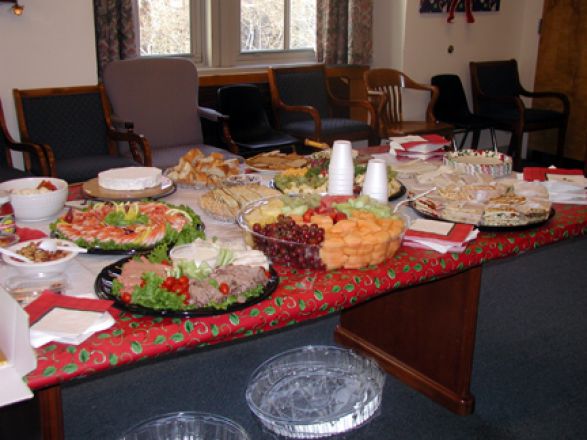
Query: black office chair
{"x": 247, "y": 130}
{"x": 303, "y": 105}
{"x": 452, "y": 108}
{"x": 497, "y": 93}
{"x": 35, "y": 161}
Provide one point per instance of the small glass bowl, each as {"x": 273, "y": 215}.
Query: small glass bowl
{"x": 25, "y": 289}
{"x": 315, "y": 391}
{"x": 186, "y": 425}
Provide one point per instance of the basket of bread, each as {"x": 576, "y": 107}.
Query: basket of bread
{"x": 198, "y": 170}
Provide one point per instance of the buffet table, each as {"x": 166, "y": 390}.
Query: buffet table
{"x": 416, "y": 314}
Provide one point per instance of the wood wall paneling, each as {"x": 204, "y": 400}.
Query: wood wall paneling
{"x": 562, "y": 66}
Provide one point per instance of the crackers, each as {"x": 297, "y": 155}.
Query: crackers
{"x": 276, "y": 161}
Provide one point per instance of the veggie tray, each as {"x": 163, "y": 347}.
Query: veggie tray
{"x": 106, "y": 287}
{"x": 128, "y": 227}
{"x": 314, "y": 180}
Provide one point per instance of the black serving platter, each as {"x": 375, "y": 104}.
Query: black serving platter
{"x": 103, "y": 288}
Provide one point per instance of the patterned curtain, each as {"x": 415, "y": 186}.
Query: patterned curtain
{"x": 344, "y": 31}
{"x": 116, "y": 36}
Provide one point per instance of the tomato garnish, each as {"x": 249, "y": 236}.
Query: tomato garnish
{"x": 126, "y": 297}
{"x": 224, "y": 288}
{"x": 47, "y": 184}
{"x": 68, "y": 216}
{"x": 166, "y": 263}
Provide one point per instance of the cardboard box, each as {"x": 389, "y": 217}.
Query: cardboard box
{"x": 15, "y": 344}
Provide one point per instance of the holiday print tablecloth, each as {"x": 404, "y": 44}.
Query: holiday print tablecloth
{"x": 301, "y": 295}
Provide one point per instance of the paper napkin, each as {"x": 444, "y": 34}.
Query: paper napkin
{"x": 25, "y": 234}
{"x": 439, "y": 236}
{"x": 67, "y": 319}
{"x": 417, "y": 145}
{"x": 542, "y": 173}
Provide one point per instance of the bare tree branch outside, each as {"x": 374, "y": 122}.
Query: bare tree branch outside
{"x": 165, "y": 26}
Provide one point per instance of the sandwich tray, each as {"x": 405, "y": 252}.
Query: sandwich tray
{"x": 489, "y": 228}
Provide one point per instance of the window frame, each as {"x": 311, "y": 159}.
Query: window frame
{"x": 214, "y": 47}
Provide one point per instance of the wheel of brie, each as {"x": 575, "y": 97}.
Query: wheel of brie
{"x": 130, "y": 178}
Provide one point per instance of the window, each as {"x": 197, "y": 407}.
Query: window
{"x": 268, "y": 25}
{"x": 229, "y": 32}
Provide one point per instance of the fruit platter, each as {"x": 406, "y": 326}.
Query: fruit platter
{"x": 205, "y": 277}
{"x": 313, "y": 178}
{"x": 127, "y": 227}
{"x": 322, "y": 232}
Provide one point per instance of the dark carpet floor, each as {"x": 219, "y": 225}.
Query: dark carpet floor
{"x": 529, "y": 377}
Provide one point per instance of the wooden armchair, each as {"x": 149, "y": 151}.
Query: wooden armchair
{"x": 35, "y": 161}
{"x": 75, "y": 128}
{"x": 384, "y": 88}
{"x": 303, "y": 106}
{"x": 497, "y": 96}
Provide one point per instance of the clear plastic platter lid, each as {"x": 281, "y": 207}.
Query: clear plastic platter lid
{"x": 190, "y": 425}
{"x": 315, "y": 391}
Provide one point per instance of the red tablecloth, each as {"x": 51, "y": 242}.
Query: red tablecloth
{"x": 301, "y": 295}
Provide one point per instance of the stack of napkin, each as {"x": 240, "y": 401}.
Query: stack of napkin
{"x": 439, "y": 236}
{"x": 67, "y": 319}
{"x": 564, "y": 186}
{"x": 421, "y": 147}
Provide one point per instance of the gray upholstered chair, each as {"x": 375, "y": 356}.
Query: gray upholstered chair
{"x": 159, "y": 97}
{"x": 73, "y": 125}
{"x": 34, "y": 156}
{"x": 303, "y": 105}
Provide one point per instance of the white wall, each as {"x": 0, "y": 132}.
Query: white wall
{"x": 51, "y": 44}
{"x": 512, "y": 32}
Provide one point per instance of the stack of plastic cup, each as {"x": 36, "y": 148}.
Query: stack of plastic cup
{"x": 375, "y": 184}
{"x": 341, "y": 171}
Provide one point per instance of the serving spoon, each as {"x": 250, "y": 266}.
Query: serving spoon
{"x": 15, "y": 255}
{"x": 50, "y": 245}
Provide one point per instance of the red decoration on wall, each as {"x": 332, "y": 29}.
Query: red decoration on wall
{"x": 468, "y": 11}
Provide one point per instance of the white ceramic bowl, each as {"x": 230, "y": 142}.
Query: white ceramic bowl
{"x": 49, "y": 267}
{"x": 36, "y": 207}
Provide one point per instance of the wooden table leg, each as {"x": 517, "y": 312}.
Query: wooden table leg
{"x": 51, "y": 412}
{"x": 424, "y": 335}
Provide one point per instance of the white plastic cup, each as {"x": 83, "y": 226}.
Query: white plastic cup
{"x": 341, "y": 156}
{"x": 341, "y": 170}
{"x": 375, "y": 184}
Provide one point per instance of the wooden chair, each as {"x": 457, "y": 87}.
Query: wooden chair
{"x": 74, "y": 126}
{"x": 497, "y": 96}
{"x": 385, "y": 88}
{"x": 303, "y": 105}
{"x": 34, "y": 157}
{"x": 158, "y": 96}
